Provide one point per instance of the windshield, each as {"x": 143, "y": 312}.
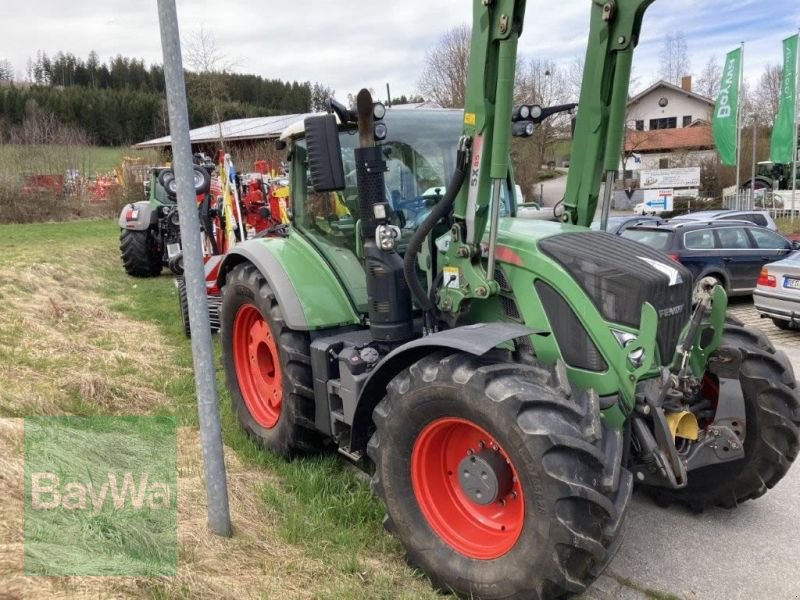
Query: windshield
{"x": 420, "y": 154}
{"x": 658, "y": 239}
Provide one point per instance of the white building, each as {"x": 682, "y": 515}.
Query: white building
{"x": 667, "y": 127}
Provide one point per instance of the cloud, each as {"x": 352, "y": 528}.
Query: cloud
{"x": 356, "y": 43}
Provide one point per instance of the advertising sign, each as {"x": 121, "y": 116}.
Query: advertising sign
{"x": 670, "y": 178}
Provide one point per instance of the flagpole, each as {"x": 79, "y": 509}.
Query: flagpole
{"x": 739, "y": 128}
{"x": 796, "y": 123}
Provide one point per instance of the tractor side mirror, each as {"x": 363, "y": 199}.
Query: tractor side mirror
{"x": 324, "y": 153}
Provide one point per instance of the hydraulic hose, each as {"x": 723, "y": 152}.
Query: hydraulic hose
{"x": 439, "y": 211}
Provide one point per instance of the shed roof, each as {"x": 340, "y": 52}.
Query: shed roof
{"x": 237, "y": 129}
{"x": 256, "y": 128}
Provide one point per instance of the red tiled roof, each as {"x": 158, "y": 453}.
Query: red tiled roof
{"x": 696, "y": 137}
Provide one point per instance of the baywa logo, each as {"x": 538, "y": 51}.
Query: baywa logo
{"x": 100, "y": 496}
{"x": 47, "y": 493}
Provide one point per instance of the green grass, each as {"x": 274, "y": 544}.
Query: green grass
{"x": 94, "y": 159}
{"x": 788, "y": 227}
{"x": 75, "y": 534}
{"x": 318, "y": 504}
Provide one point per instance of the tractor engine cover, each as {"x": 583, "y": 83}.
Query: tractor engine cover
{"x": 620, "y": 275}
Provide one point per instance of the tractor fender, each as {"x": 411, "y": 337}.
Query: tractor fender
{"x": 476, "y": 339}
{"x": 309, "y": 294}
{"x": 138, "y": 216}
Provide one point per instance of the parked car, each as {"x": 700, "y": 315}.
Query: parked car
{"x": 617, "y": 225}
{"x": 732, "y": 252}
{"x": 759, "y": 217}
{"x": 777, "y": 293}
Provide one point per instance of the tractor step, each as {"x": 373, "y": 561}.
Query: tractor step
{"x": 354, "y": 456}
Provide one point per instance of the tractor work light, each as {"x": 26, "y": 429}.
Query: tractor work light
{"x": 380, "y": 131}
{"x": 523, "y": 129}
{"x": 378, "y": 111}
{"x": 525, "y": 112}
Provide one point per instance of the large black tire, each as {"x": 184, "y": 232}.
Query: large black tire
{"x": 183, "y": 305}
{"x": 772, "y": 435}
{"x": 141, "y": 255}
{"x": 573, "y": 488}
{"x": 247, "y": 294}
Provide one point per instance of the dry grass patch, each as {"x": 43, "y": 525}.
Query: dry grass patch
{"x": 66, "y": 351}
{"x": 254, "y": 563}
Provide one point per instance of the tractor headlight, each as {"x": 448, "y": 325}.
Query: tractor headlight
{"x": 380, "y": 132}
{"x": 378, "y": 111}
{"x": 624, "y": 338}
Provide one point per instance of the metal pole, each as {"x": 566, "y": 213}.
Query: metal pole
{"x": 739, "y": 128}
{"x": 219, "y": 519}
{"x": 796, "y": 153}
{"x": 753, "y": 177}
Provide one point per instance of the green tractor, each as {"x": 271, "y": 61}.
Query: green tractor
{"x": 506, "y": 381}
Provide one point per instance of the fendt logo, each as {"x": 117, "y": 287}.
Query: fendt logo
{"x": 48, "y": 493}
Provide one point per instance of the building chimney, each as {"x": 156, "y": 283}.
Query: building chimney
{"x": 686, "y": 83}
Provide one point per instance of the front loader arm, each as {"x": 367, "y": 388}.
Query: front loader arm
{"x": 600, "y": 126}
{"x": 496, "y": 28}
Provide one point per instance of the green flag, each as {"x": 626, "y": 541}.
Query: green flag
{"x": 725, "y": 122}
{"x": 784, "y": 130}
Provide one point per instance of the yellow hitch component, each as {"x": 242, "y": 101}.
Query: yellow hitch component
{"x": 683, "y": 424}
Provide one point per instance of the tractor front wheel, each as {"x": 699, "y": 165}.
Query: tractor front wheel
{"x": 771, "y": 434}
{"x": 267, "y": 366}
{"x": 499, "y": 480}
{"x": 141, "y": 254}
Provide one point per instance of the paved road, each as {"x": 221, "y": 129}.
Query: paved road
{"x": 750, "y": 553}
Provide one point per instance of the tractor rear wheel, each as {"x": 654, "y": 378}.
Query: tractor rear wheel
{"x": 772, "y": 429}
{"x": 141, "y": 255}
{"x": 498, "y": 478}
{"x": 267, "y": 366}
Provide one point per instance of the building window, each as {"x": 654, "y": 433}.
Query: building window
{"x": 663, "y": 163}
{"x": 665, "y": 123}
{"x": 639, "y": 125}
{"x": 687, "y": 120}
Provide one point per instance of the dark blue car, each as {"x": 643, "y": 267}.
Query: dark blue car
{"x": 617, "y": 225}
{"x": 731, "y": 252}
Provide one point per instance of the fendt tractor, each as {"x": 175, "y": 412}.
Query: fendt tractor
{"x": 506, "y": 381}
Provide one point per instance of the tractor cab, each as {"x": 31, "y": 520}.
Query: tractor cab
{"x": 419, "y": 149}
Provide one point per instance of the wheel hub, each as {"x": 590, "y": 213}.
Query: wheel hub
{"x": 485, "y": 477}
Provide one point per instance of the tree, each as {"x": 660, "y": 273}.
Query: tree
{"x": 674, "y": 60}
{"x": 204, "y": 56}
{"x": 768, "y": 95}
{"x": 6, "y": 70}
{"x": 544, "y": 83}
{"x": 708, "y": 82}
{"x": 444, "y": 77}
{"x": 320, "y": 94}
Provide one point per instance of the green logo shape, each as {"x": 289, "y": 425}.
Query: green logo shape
{"x": 101, "y": 496}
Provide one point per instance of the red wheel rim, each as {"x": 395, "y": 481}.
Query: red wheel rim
{"x": 477, "y": 531}
{"x": 258, "y": 370}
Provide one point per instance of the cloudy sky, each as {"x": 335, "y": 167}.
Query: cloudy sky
{"x": 348, "y": 44}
